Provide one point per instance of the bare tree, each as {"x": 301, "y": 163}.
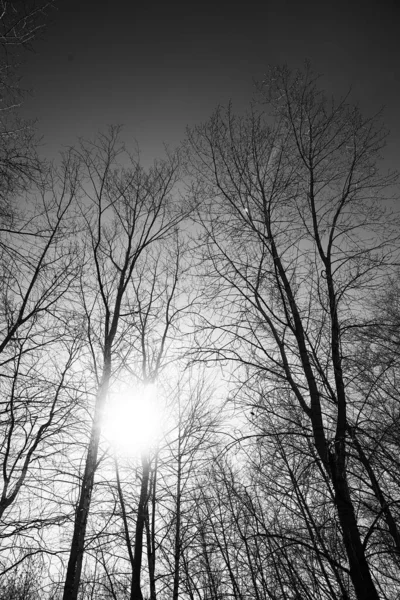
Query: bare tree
{"x": 160, "y": 309}
{"x": 38, "y": 267}
{"x": 184, "y": 459}
{"x": 163, "y": 303}
{"x": 126, "y": 212}
{"x": 297, "y": 239}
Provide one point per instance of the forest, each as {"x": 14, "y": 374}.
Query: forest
{"x": 199, "y": 359}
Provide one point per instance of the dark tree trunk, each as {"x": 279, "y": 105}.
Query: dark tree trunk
{"x": 150, "y": 533}
{"x": 136, "y": 590}
{"x": 359, "y": 569}
{"x": 74, "y": 568}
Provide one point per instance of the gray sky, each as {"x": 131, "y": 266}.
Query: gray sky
{"x": 156, "y": 67}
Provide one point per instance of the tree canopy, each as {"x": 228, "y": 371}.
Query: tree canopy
{"x": 243, "y": 293}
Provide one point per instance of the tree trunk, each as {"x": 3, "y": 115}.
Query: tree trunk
{"x": 136, "y": 591}
{"x": 74, "y": 568}
{"x": 150, "y": 533}
{"x": 177, "y": 548}
{"x": 359, "y": 569}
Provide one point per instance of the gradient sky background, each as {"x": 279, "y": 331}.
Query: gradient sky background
{"x": 156, "y": 67}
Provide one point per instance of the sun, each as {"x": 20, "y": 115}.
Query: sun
{"x": 132, "y": 419}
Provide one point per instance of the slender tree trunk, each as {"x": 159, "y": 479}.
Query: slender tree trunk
{"x": 359, "y": 569}
{"x": 124, "y": 515}
{"x": 74, "y": 568}
{"x": 190, "y": 588}
{"x": 177, "y": 548}
{"x": 136, "y": 590}
{"x": 150, "y": 533}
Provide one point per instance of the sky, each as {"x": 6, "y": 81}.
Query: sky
{"x": 156, "y": 67}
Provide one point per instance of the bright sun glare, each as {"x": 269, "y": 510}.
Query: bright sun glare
{"x": 132, "y": 420}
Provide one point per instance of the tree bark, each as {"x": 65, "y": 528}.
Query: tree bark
{"x": 359, "y": 569}
{"x": 136, "y": 590}
{"x": 150, "y": 532}
{"x": 74, "y": 569}
{"x": 177, "y": 546}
